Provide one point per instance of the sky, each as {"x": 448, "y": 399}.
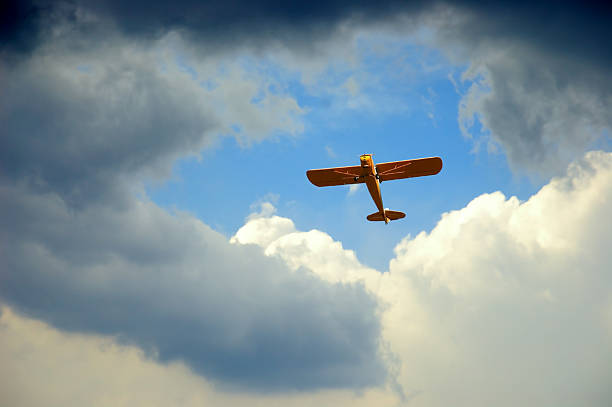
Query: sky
{"x": 160, "y": 243}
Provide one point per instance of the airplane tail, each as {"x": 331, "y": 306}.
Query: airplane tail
{"x": 386, "y": 216}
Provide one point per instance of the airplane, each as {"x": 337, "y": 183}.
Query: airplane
{"x": 372, "y": 175}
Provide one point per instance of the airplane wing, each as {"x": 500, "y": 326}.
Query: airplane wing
{"x": 409, "y": 168}
{"x": 326, "y": 177}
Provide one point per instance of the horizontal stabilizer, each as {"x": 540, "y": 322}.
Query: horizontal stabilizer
{"x": 391, "y": 215}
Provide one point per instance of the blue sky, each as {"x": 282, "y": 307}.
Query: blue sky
{"x": 404, "y": 105}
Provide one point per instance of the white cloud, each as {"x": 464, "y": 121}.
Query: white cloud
{"x": 40, "y": 365}
{"x": 514, "y": 295}
{"x": 352, "y": 189}
{"x": 263, "y": 230}
{"x": 43, "y": 366}
{"x": 503, "y": 302}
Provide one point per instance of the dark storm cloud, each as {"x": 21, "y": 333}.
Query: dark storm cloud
{"x": 20, "y": 22}
{"x": 237, "y": 16}
{"x": 546, "y": 94}
{"x": 544, "y": 111}
{"x": 574, "y": 28}
{"x": 218, "y": 23}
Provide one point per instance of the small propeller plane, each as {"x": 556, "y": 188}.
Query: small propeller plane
{"x": 373, "y": 175}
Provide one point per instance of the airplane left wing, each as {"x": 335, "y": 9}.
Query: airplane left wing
{"x": 409, "y": 168}
{"x": 326, "y": 177}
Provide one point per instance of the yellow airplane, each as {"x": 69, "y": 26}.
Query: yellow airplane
{"x": 373, "y": 175}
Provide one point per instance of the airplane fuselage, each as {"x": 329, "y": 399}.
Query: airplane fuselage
{"x": 372, "y": 182}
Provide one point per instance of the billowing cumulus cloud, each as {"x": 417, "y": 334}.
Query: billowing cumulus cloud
{"x": 503, "y": 302}
{"x": 88, "y": 115}
{"x": 313, "y": 250}
{"x": 516, "y": 296}
{"x": 171, "y": 285}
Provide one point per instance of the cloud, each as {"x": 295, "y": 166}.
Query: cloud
{"x": 313, "y": 250}
{"x": 543, "y": 110}
{"x": 86, "y": 119}
{"x": 87, "y": 116}
{"x": 515, "y": 296}
{"x": 19, "y": 26}
{"x": 98, "y": 371}
{"x": 503, "y": 302}
{"x": 353, "y": 189}
{"x": 543, "y": 94}
{"x": 75, "y": 369}
{"x": 179, "y": 290}
{"x": 539, "y": 78}
{"x": 218, "y": 24}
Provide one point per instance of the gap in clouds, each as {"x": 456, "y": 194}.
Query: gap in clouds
{"x": 391, "y": 98}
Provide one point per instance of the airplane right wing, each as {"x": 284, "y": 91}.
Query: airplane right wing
{"x": 326, "y": 177}
{"x": 410, "y": 168}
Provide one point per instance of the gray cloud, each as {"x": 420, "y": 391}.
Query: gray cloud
{"x": 577, "y": 29}
{"x": 76, "y": 122}
{"x": 217, "y": 23}
{"x": 546, "y": 65}
{"x": 542, "y": 87}
{"x": 171, "y": 285}
{"x": 85, "y": 116}
{"x": 85, "y": 120}
{"x": 544, "y": 112}
{"x": 20, "y": 23}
